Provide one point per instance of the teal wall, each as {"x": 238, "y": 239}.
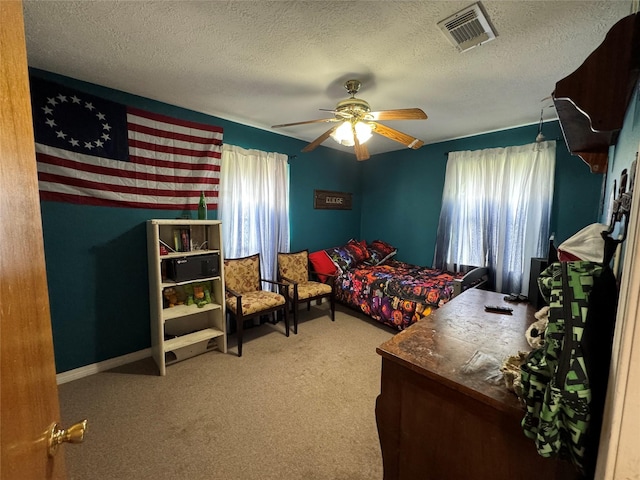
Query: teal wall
{"x": 402, "y": 191}
{"x": 98, "y": 283}
{"x": 323, "y": 169}
{"x": 96, "y": 256}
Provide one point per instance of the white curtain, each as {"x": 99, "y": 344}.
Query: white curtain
{"x": 496, "y": 207}
{"x": 254, "y": 205}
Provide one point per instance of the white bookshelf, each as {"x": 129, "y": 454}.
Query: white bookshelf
{"x": 182, "y": 331}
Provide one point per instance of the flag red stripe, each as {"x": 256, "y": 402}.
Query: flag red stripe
{"x": 136, "y": 190}
{"x": 174, "y": 135}
{"x": 172, "y": 164}
{"x": 173, "y": 121}
{"x": 153, "y": 147}
{"x": 121, "y": 173}
{"x": 101, "y": 202}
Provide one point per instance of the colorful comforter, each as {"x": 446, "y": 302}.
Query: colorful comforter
{"x": 397, "y": 294}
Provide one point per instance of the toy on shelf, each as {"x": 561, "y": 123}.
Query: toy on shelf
{"x": 201, "y": 295}
{"x": 198, "y": 294}
{"x": 171, "y": 297}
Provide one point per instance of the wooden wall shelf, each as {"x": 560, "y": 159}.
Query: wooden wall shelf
{"x": 592, "y": 101}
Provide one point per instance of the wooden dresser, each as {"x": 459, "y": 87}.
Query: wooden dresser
{"x": 444, "y": 412}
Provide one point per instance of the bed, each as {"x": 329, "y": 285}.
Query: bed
{"x": 395, "y": 293}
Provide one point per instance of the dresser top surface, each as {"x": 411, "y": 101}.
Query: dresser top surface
{"x": 463, "y": 346}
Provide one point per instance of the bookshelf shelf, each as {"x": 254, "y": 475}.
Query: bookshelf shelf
{"x": 187, "y": 254}
{"x": 179, "y": 328}
{"x": 192, "y": 338}
{"x": 186, "y": 310}
{"x": 166, "y": 284}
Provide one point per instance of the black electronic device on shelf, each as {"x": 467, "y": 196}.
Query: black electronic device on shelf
{"x": 193, "y": 267}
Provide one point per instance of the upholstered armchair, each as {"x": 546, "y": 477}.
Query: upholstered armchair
{"x": 293, "y": 269}
{"x": 245, "y": 298}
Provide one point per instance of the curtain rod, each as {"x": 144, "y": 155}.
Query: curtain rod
{"x": 557, "y": 139}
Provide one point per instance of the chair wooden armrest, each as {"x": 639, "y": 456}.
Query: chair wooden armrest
{"x": 289, "y": 280}
{"x": 238, "y": 296}
{"x": 290, "y": 283}
{"x": 282, "y": 284}
{"x": 232, "y": 292}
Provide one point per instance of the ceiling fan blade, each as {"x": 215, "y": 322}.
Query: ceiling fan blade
{"x": 362, "y": 152}
{"x": 340, "y": 115}
{"x": 399, "y": 114}
{"x": 400, "y": 137}
{"x": 319, "y": 140}
{"x": 322, "y": 120}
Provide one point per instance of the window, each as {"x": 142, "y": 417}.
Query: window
{"x": 496, "y": 207}
{"x": 254, "y": 205}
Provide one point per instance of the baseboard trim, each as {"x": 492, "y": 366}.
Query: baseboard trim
{"x": 94, "y": 368}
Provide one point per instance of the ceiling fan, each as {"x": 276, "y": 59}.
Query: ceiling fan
{"x": 355, "y": 123}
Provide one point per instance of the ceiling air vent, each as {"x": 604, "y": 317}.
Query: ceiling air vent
{"x": 468, "y": 28}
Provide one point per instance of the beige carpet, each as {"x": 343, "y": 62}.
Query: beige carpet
{"x": 291, "y": 408}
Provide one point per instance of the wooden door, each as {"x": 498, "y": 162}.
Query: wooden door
{"x": 28, "y": 390}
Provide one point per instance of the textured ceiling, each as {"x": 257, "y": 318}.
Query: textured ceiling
{"x": 264, "y": 63}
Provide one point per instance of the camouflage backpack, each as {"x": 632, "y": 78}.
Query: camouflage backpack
{"x": 557, "y": 388}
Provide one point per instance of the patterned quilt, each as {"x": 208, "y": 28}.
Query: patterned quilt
{"x": 397, "y": 294}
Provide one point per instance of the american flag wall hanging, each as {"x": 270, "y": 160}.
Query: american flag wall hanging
{"x": 96, "y": 152}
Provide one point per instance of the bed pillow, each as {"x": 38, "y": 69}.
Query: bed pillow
{"x": 347, "y": 256}
{"x": 380, "y": 251}
{"x": 359, "y": 251}
{"x": 341, "y": 257}
{"x": 322, "y": 263}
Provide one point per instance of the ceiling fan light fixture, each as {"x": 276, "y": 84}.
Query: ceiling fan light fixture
{"x": 363, "y": 132}
{"x": 344, "y": 133}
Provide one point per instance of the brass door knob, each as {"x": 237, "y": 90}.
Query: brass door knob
{"x": 73, "y": 434}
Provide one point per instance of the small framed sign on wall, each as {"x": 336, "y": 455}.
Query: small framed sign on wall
{"x": 327, "y": 200}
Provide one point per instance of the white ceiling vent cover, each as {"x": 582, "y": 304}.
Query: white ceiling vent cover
{"x": 468, "y": 28}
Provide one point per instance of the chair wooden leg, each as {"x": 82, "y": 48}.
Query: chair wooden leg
{"x": 333, "y": 308}
{"x": 286, "y": 319}
{"x": 295, "y": 318}
{"x": 240, "y": 326}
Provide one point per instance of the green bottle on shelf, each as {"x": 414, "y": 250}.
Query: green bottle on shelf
{"x": 202, "y": 207}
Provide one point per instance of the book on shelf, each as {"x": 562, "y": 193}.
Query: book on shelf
{"x": 182, "y": 239}
{"x": 186, "y": 240}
